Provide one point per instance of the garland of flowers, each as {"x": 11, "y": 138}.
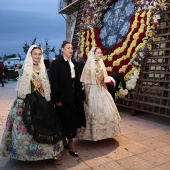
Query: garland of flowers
{"x": 121, "y": 47}
{"x": 125, "y": 56}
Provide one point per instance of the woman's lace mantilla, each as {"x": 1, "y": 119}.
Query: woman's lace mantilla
{"x": 24, "y": 85}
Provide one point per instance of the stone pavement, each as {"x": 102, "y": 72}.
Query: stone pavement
{"x": 144, "y": 144}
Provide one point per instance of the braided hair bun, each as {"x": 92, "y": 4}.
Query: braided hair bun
{"x": 64, "y": 43}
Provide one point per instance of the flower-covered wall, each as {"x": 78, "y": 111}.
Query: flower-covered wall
{"x": 125, "y": 31}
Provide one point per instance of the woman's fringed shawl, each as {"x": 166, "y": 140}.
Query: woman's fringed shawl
{"x": 39, "y": 116}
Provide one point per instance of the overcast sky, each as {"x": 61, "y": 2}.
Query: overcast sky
{"x": 23, "y": 20}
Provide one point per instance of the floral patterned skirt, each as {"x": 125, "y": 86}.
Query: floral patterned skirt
{"x": 102, "y": 116}
{"x": 17, "y": 143}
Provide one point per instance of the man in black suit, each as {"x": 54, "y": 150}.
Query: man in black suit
{"x": 116, "y": 79}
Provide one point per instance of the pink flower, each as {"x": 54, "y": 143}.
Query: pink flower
{"x": 8, "y": 124}
{"x": 22, "y": 129}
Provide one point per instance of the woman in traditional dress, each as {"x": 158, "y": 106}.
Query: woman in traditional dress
{"x": 66, "y": 95}
{"x": 32, "y": 130}
{"x": 102, "y": 116}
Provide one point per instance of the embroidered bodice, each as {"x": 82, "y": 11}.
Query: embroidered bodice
{"x": 99, "y": 76}
{"x": 36, "y": 83}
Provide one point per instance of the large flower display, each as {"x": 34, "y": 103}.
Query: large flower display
{"x": 116, "y": 23}
{"x": 125, "y": 30}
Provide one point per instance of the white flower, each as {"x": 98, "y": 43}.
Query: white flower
{"x": 123, "y": 92}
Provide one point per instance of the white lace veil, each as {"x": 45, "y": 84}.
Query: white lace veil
{"x": 23, "y": 86}
{"x": 90, "y": 65}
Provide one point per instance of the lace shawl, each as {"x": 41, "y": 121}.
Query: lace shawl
{"x": 88, "y": 73}
{"x": 24, "y": 81}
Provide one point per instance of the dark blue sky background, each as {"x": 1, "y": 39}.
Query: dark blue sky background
{"x": 22, "y": 20}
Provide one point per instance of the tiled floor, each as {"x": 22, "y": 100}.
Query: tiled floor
{"x": 144, "y": 144}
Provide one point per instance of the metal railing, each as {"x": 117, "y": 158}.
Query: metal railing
{"x": 63, "y": 3}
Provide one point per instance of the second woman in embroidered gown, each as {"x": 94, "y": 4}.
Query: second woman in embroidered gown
{"x": 32, "y": 129}
{"x": 102, "y": 117}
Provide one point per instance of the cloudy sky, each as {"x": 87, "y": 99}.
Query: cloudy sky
{"x": 22, "y": 20}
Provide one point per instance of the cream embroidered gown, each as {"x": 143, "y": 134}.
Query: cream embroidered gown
{"x": 102, "y": 117}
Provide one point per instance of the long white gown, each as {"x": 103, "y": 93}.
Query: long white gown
{"x": 102, "y": 116}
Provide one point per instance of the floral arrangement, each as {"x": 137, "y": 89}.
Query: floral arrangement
{"x": 125, "y": 56}
{"x": 93, "y": 12}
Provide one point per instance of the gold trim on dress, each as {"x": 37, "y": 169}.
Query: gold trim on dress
{"x": 99, "y": 76}
{"x": 37, "y": 82}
